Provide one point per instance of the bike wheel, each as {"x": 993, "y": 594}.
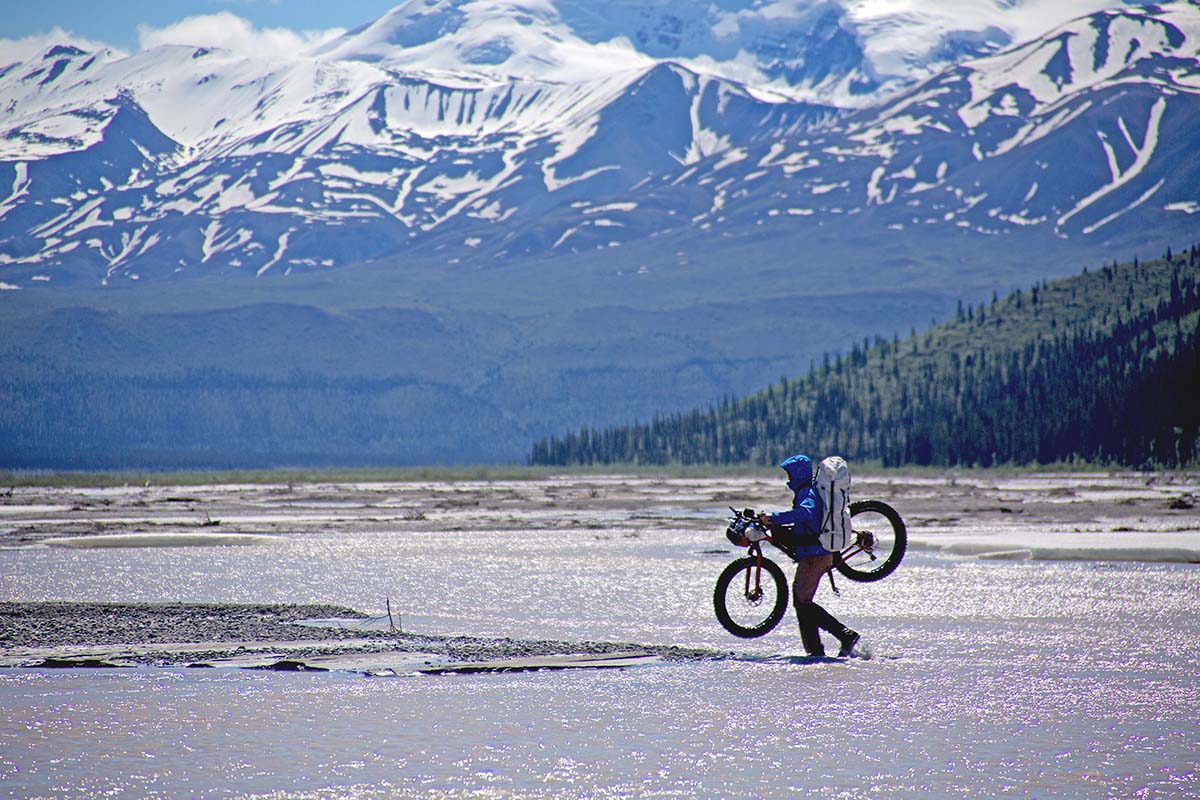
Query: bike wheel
{"x": 748, "y": 605}
{"x": 880, "y": 541}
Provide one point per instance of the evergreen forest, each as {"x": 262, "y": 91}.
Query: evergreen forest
{"x": 1100, "y": 368}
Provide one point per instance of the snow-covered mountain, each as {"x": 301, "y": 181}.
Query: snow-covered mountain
{"x": 838, "y": 52}
{"x": 1087, "y": 133}
{"x": 184, "y": 157}
{"x": 528, "y": 127}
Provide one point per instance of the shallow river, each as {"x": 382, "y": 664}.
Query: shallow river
{"x": 990, "y": 678}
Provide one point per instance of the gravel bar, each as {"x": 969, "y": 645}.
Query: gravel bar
{"x": 41, "y": 625}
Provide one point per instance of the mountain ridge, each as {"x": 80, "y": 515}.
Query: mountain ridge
{"x": 562, "y": 253}
{"x": 247, "y": 153}
{"x": 1098, "y": 367}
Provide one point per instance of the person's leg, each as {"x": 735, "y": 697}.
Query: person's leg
{"x": 826, "y": 621}
{"x": 809, "y": 570}
{"x": 813, "y": 617}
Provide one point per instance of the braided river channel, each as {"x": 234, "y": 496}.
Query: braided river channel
{"x": 1040, "y": 639}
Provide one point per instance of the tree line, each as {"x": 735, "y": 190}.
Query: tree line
{"x": 1102, "y": 367}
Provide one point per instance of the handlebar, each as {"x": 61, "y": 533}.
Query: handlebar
{"x": 743, "y": 521}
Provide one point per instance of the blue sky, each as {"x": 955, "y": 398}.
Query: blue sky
{"x": 117, "y": 22}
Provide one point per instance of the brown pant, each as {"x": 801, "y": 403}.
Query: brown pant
{"x": 809, "y": 571}
{"x": 811, "y": 616}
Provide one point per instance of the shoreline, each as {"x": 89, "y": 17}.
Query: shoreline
{"x": 118, "y": 478}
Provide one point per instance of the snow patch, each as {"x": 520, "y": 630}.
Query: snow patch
{"x": 825, "y": 188}
{"x": 732, "y": 156}
{"x": 611, "y": 207}
{"x": 704, "y": 142}
{"x": 567, "y": 234}
{"x": 1141, "y": 199}
{"x": 343, "y": 170}
{"x": 1019, "y": 218}
{"x": 20, "y": 188}
{"x": 128, "y": 246}
{"x": 280, "y": 248}
{"x": 293, "y": 173}
{"x": 1121, "y": 177}
{"x": 216, "y": 242}
{"x": 874, "y": 193}
{"x": 445, "y": 187}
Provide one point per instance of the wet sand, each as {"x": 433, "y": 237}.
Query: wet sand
{"x": 1088, "y": 501}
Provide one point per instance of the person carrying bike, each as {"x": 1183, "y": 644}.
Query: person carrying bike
{"x": 812, "y": 560}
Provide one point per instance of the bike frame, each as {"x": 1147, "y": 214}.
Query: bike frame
{"x": 861, "y": 545}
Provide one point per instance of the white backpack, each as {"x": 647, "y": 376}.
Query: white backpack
{"x": 833, "y": 484}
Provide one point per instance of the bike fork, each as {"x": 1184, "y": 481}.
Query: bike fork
{"x": 757, "y": 570}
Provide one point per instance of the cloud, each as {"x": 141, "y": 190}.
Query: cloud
{"x": 26, "y": 47}
{"x": 227, "y": 30}
{"x": 222, "y": 29}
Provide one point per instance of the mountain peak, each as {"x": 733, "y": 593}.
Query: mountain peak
{"x": 510, "y": 39}
{"x": 410, "y": 24}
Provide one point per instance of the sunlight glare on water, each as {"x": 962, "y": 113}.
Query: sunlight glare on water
{"x": 756, "y": 729}
{"x": 989, "y": 679}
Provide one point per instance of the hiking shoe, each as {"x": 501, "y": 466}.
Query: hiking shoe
{"x": 849, "y": 639}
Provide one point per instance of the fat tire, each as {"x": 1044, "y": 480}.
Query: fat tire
{"x": 889, "y": 564}
{"x": 773, "y": 575}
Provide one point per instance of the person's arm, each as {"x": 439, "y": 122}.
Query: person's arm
{"x": 806, "y": 516}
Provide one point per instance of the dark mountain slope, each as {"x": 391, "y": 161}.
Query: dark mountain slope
{"x": 1103, "y": 367}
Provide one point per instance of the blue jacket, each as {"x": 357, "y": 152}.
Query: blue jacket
{"x": 807, "y": 507}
